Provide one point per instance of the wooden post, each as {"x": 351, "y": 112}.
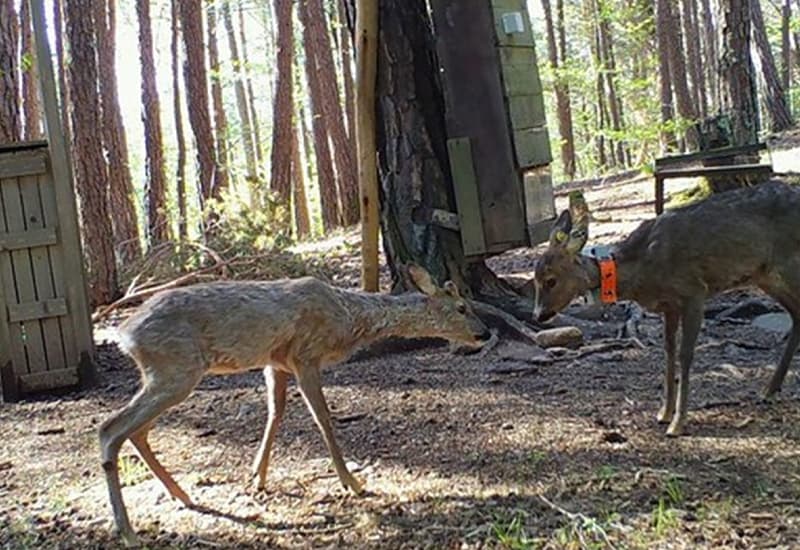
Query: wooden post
{"x": 366, "y": 73}
{"x": 69, "y": 232}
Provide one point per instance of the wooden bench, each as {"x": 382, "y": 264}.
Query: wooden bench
{"x": 665, "y": 167}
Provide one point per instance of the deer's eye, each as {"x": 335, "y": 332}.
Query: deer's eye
{"x": 550, "y": 283}
{"x": 461, "y": 308}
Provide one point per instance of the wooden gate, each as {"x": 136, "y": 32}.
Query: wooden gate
{"x": 45, "y": 334}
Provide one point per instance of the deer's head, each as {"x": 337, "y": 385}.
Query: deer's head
{"x": 559, "y": 274}
{"x": 447, "y": 311}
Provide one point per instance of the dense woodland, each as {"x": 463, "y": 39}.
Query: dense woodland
{"x": 246, "y": 132}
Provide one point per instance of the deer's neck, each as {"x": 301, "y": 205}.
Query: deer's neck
{"x": 625, "y": 281}
{"x": 379, "y": 316}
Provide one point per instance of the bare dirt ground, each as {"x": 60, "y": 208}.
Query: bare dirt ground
{"x": 515, "y": 449}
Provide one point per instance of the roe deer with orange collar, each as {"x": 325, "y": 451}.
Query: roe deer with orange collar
{"x": 672, "y": 263}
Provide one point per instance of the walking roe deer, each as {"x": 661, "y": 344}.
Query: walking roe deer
{"x": 672, "y": 263}
{"x": 290, "y": 327}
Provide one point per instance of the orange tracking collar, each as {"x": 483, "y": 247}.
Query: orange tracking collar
{"x": 608, "y": 279}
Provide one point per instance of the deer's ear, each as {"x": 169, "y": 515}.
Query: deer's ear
{"x": 579, "y": 215}
{"x": 451, "y": 289}
{"x": 559, "y": 234}
{"x": 422, "y": 279}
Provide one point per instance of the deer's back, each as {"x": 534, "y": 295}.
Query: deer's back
{"x": 234, "y": 325}
{"x": 731, "y": 239}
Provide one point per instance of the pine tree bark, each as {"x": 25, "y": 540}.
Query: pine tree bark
{"x": 664, "y": 75}
{"x": 10, "y": 120}
{"x": 710, "y": 56}
{"x": 786, "y": 46}
{"x": 738, "y": 94}
{"x": 562, "y": 92}
{"x": 177, "y": 110}
{"x": 196, "y": 78}
{"x": 249, "y": 84}
{"x": 774, "y": 95}
{"x": 244, "y": 111}
{"x": 283, "y": 106}
{"x": 313, "y": 17}
{"x": 691, "y": 33}
{"x": 30, "y": 85}
{"x": 155, "y": 171}
{"x": 347, "y": 72}
{"x": 120, "y": 192}
{"x": 412, "y": 156}
{"x": 63, "y": 89}
{"x": 221, "y": 174}
{"x": 678, "y": 71}
{"x": 325, "y": 176}
{"x": 606, "y": 47}
{"x": 299, "y": 201}
{"x": 91, "y": 178}
{"x": 601, "y": 110}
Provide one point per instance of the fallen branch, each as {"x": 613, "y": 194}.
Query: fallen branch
{"x": 590, "y": 523}
{"x": 141, "y": 294}
{"x": 484, "y": 309}
{"x": 612, "y": 345}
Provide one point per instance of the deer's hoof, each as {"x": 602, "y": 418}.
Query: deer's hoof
{"x": 129, "y": 539}
{"x": 664, "y": 415}
{"x": 675, "y": 429}
{"x": 354, "y": 485}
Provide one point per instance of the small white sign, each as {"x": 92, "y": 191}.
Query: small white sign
{"x": 513, "y": 23}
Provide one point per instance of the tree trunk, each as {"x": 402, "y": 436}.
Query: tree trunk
{"x": 155, "y": 173}
{"x": 283, "y": 106}
{"x": 177, "y": 111}
{"x": 668, "y": 141}
{"x": 313, "y": 16}
{"x": 786, "y": 46}
{"x": 691, "y": 33}
{"x": 120, "y": 191}
{"x": 10, "y": 123}
{"x": 196, "y": 78}
{"x": 347, "y": 71}
{"x": 221, "y": 174}
{"x": 299, "y": 200}
{"x": 601, "y": 111}
{"x": 413, "y": 157}
{"x": 561, "y": 90}
{"x": 774, "y": 95}
{"x": 249, "y": 81}
{"x": 30, "y": 83}
{"x": 710, "y": 57}
{"x": 736, "y": 67}
{"x": 63, "y": 89}
{"x": 325, "y": 177}
{"x": 244, "y": 111}
{"x": 91, "y": 178}
{"x": 610, "y": 72}
{"x": 678, "y": 71}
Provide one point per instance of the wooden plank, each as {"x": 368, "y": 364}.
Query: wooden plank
{"x": 23, "y": 146}
{"x": 711, "y": 153}
{"x": 16, "y": 344}
{"x": 475, "y": 109}
{"x": 21, "y": 164}
{"x": 521, "y": 79}
{"x": 43, "y": 309}
{"x": 527, "y": 111}
{"x": 532, "y": 146}
{"x": 659, "y": 194}
{"x": 49, "y": 380}
{"x": 56, "y": 262}
{"x": 43, "y": 277}
{"x": 716, "y": 170}
{"x": 31, "y": 331}
{"x": 539, "y": 201}
{"x": 466, "y": 191}
{"x": 69, "y": 233}
{"x": 27, "y": 239}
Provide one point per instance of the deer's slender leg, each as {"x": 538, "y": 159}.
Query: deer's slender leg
{"x": 153, "y": 399}
{"x": 691, "y": 321}
{"x": 784, "y": 286}
{"x": 308, "y": 378}
{"x": 668, "y": 404}
{"x": 792, "y": 343}
{"x": 276, "y": 404}
{"x": 139, "y": 440}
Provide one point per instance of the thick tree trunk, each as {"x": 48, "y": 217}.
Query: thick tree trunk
{"x": 691, "y": 33}
{"x": 10, "y": 120}
{"x": 177, "y": 112}
{"x": 347, "y": 71}
{"x": 413, "y": 158}
{"x": 30, "y": 84}
{"x": 120, "y": 191}
{"x": 195, "y": 75}
{"x": 325, "y": 176}
{"x": 155, "y": 171}
{"x": 736, "y": 67}
{"x": 91, "y": 178}
{"x": 678, "y": 71}
{"x": 313, "y": 17}
{"x": 244, "y": 111}
{"x": 221, "y": 174}
{"x": 664, "y": 74}
{"x": 562, "y": 93}
{"x": 710, "y": 56}
{"x": 774, "y": 95}
{"x": 63, "y": 89}
{"x": 786, "y": 46}
{"x": 249, "y": 82}
{"x": 299, "y": 201}
{"x": 283, "y": 106}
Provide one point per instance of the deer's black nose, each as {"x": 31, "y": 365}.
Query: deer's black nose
{"x": 484, "y": 336}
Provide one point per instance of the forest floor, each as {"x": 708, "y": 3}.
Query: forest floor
{"x": 517, "y": 448}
